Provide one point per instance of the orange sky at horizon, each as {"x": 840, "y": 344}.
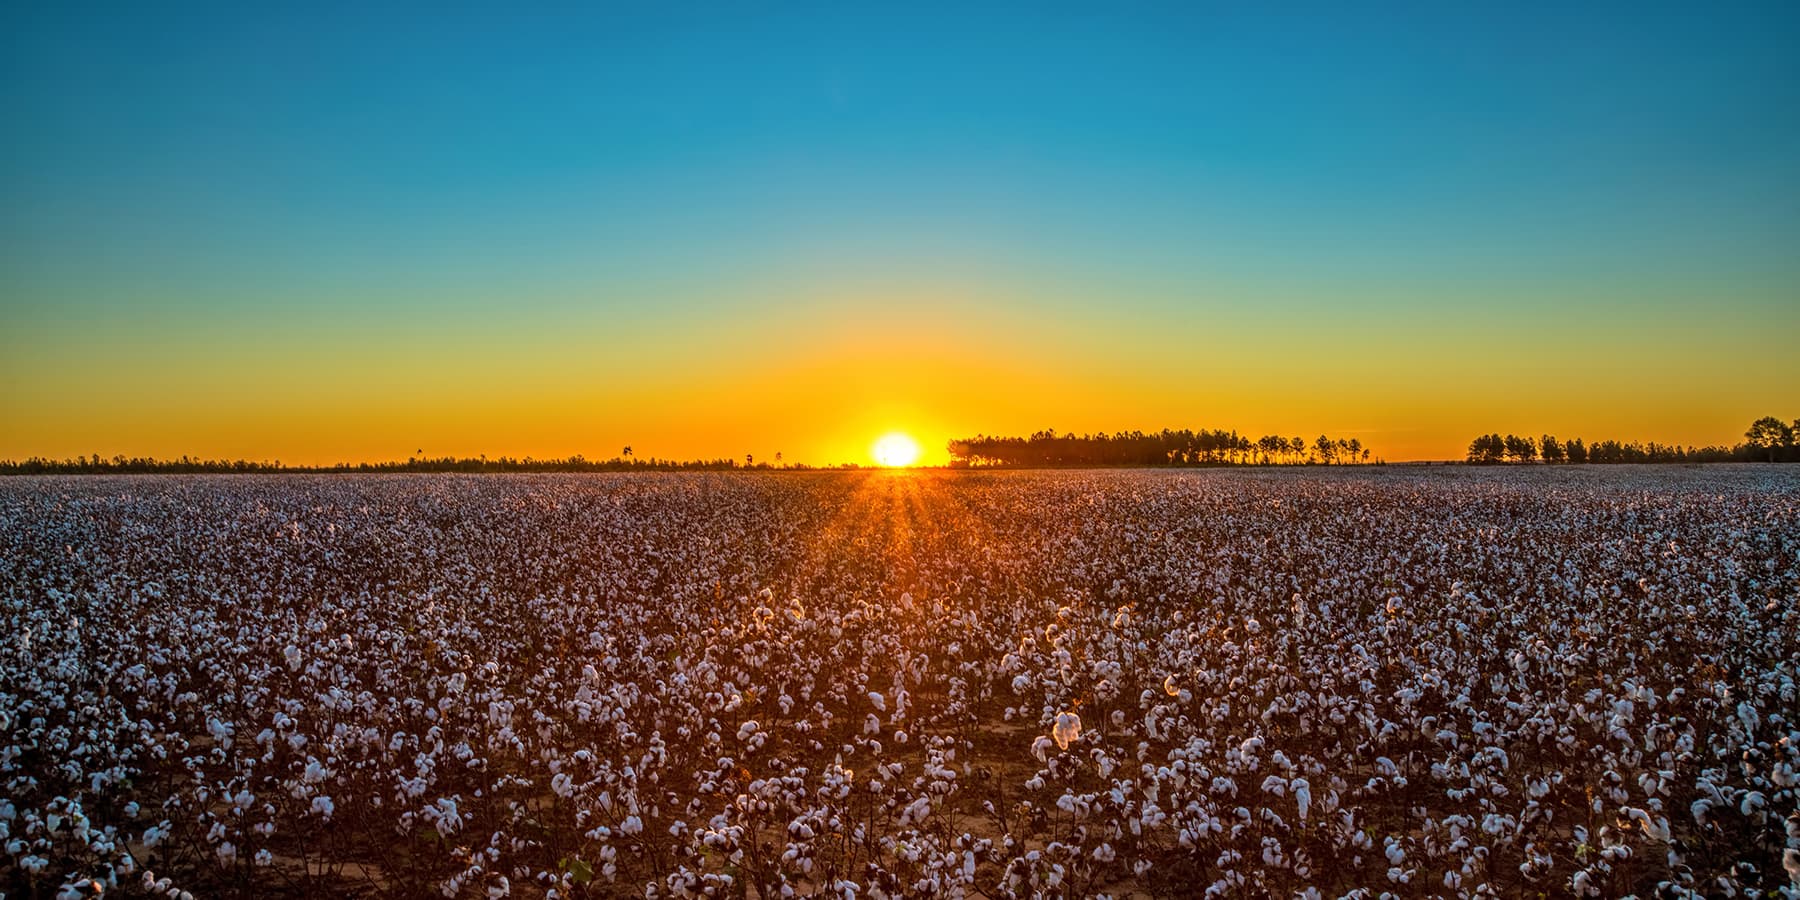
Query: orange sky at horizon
{"x": 820, "y": 382}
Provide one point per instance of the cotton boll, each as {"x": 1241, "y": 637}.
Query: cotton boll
{"x": 1066, "y": 730}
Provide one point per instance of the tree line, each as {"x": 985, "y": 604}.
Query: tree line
{"x": 142, "y": 465}
{"x": 1168, "y": 447}
{"x": 1767, "y": 440}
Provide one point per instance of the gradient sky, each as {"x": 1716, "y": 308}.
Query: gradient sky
{"x": 322, "y": 234}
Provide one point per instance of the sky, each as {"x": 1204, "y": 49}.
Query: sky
{"x": 322, "y": 233}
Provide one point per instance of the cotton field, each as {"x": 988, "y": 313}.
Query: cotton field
{"x": 1320, "y": 683}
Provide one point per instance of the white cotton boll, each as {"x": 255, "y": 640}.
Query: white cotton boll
{"x": 1040, "y": 748}
{"x": 323, "y": 806}
{"x": 1582, "y": 884}
{"x": 292, "y": 654}
{"x": 1748, "y": 715}
{"x": 1021, "y": 683}
{"x": 1790, "y": 860}
{"x": 1302, "y": 796}
{"x": 1169, "y": 686}
{"x": 264, "y": 858}
{"x": 221, "y": 732}
{"x": 872, "y": 724}
{"x": 1066, "y": 730}
{"x": 1751, "y": 802}
{"x": 878, "y": 701}
{"x": 746, "y": 730}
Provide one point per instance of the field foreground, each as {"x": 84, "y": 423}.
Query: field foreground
{"x": 1153, "y": 683}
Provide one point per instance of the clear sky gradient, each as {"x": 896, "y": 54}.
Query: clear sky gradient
{"x": 328, "y": 233}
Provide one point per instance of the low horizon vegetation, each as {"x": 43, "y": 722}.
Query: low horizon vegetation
{"x": 1768, "y": 439}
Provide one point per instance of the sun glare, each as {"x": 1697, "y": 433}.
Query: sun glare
{"x": 896, "y": 450}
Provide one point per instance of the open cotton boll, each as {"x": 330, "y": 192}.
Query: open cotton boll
{"x": 1066, "y": 730}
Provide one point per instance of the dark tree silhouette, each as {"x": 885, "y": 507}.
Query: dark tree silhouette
{"x": 1768, "y": 440}
{"x": 1168, "y": 447}
{"x": 1550, "y": 449}
{"x": 1770, "y": 436}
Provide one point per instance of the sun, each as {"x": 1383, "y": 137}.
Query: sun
{"x": 896, "y": 450}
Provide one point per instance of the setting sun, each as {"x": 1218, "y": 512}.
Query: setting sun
{"x": 896, "y": 450}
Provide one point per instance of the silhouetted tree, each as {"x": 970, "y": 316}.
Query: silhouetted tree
{"x": 1770, "y": 436}
{"x": 1270, "y": 445}
{"x": 1520, "y": 449}
{"x": 1487, "y": 449}
{"x": 1550, "y": 449}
